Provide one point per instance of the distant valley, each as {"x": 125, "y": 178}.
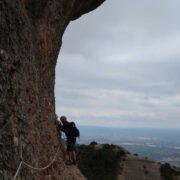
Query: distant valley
{"x": 161, "y": 145}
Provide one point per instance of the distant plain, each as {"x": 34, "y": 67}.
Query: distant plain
{"x": 161, "y": 145}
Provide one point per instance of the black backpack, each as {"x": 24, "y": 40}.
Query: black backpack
{"x": 74, "y": 130}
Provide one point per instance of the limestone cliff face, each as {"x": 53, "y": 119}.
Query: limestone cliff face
{"x": 30, "y": 38}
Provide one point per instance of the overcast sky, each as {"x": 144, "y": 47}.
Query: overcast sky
{"x": 119, "y": 66}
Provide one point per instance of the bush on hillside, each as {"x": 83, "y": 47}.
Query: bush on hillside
{"x": 99, "y": 164}
{"x": 168, "y": 172}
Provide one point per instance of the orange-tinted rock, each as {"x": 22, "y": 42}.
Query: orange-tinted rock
{"x": 30, "y": 38}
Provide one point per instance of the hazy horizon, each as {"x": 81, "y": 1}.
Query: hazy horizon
{"x": 161, "y": 145}
{"x": 115, "y": 127}
{"x": 119, "y": 66}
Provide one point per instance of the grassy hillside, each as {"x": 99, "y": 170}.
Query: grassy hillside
{"x": 110, "y": 162}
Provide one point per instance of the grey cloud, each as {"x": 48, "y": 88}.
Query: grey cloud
{"x": 123, "y": 25}
{"x": 159, "y": 78}
{"x": 121, "y": 62}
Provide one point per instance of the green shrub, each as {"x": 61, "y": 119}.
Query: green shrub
{"x": 101, "y": 164}
{"x": 168, "y": 172}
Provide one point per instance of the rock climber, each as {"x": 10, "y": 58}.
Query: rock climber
{"x": 71, "y": 132}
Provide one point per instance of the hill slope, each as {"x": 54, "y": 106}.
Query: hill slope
{"x": 110, "y": 162}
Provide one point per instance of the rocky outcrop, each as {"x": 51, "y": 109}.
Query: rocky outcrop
{"x": 30, "y": 39}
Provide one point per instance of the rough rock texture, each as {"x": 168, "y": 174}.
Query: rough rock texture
{"x": 30, "y": 39}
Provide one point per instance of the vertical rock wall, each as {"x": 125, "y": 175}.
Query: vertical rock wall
{"x": 30, "y": 39}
